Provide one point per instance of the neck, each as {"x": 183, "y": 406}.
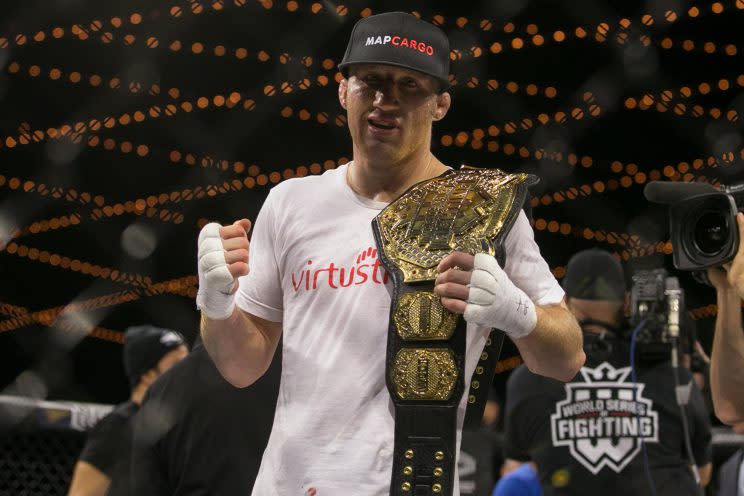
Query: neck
{"x": 138, "y": 393}
{"x": 385, "y": 181}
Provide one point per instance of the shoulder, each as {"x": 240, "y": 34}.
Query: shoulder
{"x": 518, "y": 376}
{"x": 523, "y": 383}
{"x": 183, "y": 376}
{"x": 289, "y": 188}
{"x": 118, "y": 416}
{"x": 111, "y": 428}
{"x": 126, "y": 410}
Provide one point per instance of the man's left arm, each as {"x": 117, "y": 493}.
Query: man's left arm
{"x": 547, "y": 336}
{"x": 554, "y": 347}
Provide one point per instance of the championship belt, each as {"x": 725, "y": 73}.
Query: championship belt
{"x": 469, "y": 210}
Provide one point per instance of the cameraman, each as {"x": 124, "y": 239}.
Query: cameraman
{"x": 727, "y": 358}
{"x": 590, "y": 435}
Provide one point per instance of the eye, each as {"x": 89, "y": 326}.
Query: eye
{"x": 410, "y": 83}
{"x": 371, "y": 79}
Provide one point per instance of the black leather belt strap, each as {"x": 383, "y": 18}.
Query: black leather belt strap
{"x": 470, "y": 211}
{"x": 480, "y": 383}
{"x": 424, "y": 459}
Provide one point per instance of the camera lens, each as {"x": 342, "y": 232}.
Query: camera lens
{"x": 710, "y": 232}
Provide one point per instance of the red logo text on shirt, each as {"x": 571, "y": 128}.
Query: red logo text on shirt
{"x": 366, "y": 270}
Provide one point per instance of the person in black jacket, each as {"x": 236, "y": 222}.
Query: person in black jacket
{"x": 103, "y": 466}
{"x": 198, "y": 435}
{"x": 590, "y": 436}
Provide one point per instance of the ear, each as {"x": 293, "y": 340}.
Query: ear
{"x": 443, "y": 102}
{"x": 342, "y": 88}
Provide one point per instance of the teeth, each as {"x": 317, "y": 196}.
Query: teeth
{"x": 380, "y": 124}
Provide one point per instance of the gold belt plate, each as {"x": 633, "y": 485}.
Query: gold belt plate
{"x": 460, "y": 210}
{"x": 420, "y": 316}
{"x": 427, "y": 374}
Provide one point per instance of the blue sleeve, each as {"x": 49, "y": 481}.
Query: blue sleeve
{"x": 520, "y": 482}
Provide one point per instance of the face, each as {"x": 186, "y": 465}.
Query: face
{"x": 390, "y": 110}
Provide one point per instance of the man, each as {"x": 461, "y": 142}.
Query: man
{"x": 315, "y": 278}
{"x": 590, "y": 435}
{"x": 727, "y": 357}
{"x": 197, "y": 435}
{"x": 103, "y": 465}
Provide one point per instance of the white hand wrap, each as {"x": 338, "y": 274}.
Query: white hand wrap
{"x": 494, "y": 301}
{"x": 215, "y": 297}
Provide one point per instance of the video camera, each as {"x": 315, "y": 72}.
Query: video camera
{"x": 657, "y": 299}
{"x": 702, "y": 221}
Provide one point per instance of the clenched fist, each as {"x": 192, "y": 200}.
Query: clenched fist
{"x": 479, "y": 289}
{"x": 222, "y": 258}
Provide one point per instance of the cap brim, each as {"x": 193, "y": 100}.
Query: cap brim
{"x": 445, "y": 84}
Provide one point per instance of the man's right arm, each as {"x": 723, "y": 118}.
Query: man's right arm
{"x": 241, "y": 346}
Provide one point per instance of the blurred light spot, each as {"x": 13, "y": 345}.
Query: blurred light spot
{"x": 63, "y": 151}
{"x": 640, "y": 61}
{"x": 138, "y": 241}
{"x": 7, "y": 226}
{"x": 31, "y": 385}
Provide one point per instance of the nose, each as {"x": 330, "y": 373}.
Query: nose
{"x": 387, "y": 95}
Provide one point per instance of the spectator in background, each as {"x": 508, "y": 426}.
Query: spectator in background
{"x": 198, "y": 435}
{"x": 103, "y": 465}
{"x": 585, "y": 436}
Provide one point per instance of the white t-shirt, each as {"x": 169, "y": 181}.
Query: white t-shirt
{"x": 314, "y": 267}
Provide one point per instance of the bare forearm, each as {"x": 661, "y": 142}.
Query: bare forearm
{"x": 554, "y": 348}
{"x": 241, "y": 346}
{"x": 727, "y": 360}
{"x": 88, "y": 480}
{"x": 706, "y": 471}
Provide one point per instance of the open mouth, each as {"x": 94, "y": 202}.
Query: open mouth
{"x": 378, "y": 124}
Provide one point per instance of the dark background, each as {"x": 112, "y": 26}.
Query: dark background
{"x": 125, "y": 126}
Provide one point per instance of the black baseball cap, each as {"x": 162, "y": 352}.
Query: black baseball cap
{"x": 402, "y": 40}
{"x": 594, "y": 274}
{"x": 144, "y": 346}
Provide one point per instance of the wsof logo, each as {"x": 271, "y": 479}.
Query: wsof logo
{"x": 600, "y": 421}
